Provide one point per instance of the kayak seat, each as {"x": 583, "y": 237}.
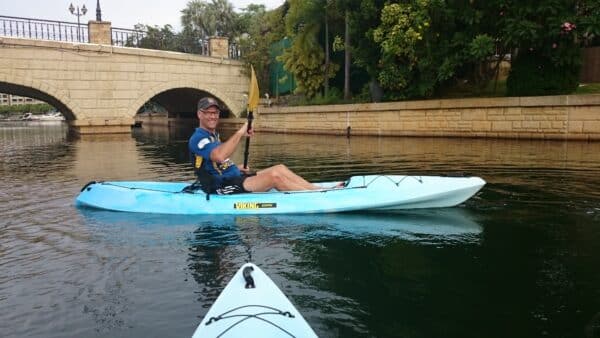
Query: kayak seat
{"x": 192, "y": 188}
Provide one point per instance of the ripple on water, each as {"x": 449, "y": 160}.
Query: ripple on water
{"x": 106, "y": 274}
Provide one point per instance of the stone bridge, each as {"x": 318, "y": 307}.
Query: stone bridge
{"x": 99, "y": 88}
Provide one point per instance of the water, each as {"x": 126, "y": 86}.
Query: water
{"x": 520, "y": 259}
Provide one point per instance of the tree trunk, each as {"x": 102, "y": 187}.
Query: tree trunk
{"x": 326, "y": 79}
{"x": 347, "y": 57}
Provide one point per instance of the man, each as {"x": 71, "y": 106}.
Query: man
{"x": 218, "y": 174}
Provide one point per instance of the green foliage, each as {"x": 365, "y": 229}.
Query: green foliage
{"x": 215, "y": 18}
{"x": 533, "y": 73}
{"x": 158, "y": 38}
{"x": 547, "y": 39}
{"x": 334, "y": 96}
{"x": 588, "y": 14}
{"x": 261, "y": 29}
{"x": 588, "y": 88}
{"x": 27, "y": 108}
{"x": 415, "y": 55}
{"x": 413, "y": 48}
{"x": 481, "y": 47}
{"x": 468, "y": 90}
{"x": 338, "y": 44}
{"x": 305, "y": 59}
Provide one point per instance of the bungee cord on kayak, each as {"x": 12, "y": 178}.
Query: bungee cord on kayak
{"x": 246, "y": 307}
{"x": 397, "y": 183}
{"x": 192, "y": 188}
{"x": 250, "y": 316}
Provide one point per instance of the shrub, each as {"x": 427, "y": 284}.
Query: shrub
{"x": 534, "y": 74}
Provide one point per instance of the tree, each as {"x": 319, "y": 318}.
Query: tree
{"x": 347, "y": 58}
{"x": 306, "y": 58}
{"x": 366, "y": 52}
{"x": 588, "y": 13}
{"x": 158, "y": 38}
{"x": 545, "y": 39}
{"x": 205, "y": 19}
{"x": 259, "y": 30}
{"x": 406, "y": 61}
{"x": 429, "y": 45}
{"x": 348, "y": 6}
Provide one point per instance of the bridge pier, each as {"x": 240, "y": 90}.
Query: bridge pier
{"x": 102, "y": 126}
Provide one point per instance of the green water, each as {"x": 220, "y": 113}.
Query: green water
{"x": 520, "y": 259}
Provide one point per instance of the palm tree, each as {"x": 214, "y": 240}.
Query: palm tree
{"x": 206, "y": 19}
{"x": 194, "y": 18}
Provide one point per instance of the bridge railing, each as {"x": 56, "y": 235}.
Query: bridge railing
{"x": 126, "y": 37}
{"x": 234, "y": 51}
{"x": 14, "y": 26}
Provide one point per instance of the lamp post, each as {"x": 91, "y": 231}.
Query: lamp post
{"x": 78, "y": 14}
{"x": 98, "y": 11}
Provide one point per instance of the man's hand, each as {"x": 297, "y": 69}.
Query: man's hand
{"x": 244, "y": 130}
{"x": 244, "y": 170}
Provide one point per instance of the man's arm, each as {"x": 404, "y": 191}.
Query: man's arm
{"x": 225, "y": 149}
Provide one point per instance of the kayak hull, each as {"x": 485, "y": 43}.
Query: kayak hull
{"x": 261, "y": 311}
{"x": 370, "y": 192}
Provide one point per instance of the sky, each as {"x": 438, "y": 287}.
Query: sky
{"x": 121, "y": 13}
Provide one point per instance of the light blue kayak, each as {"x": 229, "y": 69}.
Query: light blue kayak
{"x": 370, "y": 192}
{"x": 252, "y": 305}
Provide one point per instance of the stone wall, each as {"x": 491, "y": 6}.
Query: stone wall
{"x": 219, "y": 47}
{"x": 547, "y": 117}
{"x": 100, "y": 32}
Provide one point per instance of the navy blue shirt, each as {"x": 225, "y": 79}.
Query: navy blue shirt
{"x": 201, "y": 144}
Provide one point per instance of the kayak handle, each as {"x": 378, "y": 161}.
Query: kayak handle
{"x": 247, "y": 273}
{"x": 87, "y": 185}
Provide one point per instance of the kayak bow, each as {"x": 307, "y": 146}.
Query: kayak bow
{"x": 252, "y": 305}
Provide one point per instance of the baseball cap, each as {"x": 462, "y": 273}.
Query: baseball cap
{"x": 206, "y": 102}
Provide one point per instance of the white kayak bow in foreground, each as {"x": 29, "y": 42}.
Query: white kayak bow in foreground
{"x": 251, "y": 305}
{"x": 370, "y": 192}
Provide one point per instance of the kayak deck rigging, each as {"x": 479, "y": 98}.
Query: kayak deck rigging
{"x": 249, "y": 316}
{"x": 259, "y": 309}
{"x": 198, "y": 188}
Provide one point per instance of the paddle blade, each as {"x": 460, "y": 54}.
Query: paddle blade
{"x": 253, "y": 94}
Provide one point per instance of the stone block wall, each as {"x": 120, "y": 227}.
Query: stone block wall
{"x": 547, "y": 117}
{"x": 100, "y": 32}
{"x": 219, "y": 47}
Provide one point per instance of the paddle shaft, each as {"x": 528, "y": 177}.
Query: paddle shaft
{"x": 247, "y": 150}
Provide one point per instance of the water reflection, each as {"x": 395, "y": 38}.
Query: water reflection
{"x": 25, "y": 148}
{"x": 524, "y": 251}
{"x": 108, "y": 157}
{"x": 331, "y": 158}
{"x": 286, "y": 247}
{"x": 28, "y": 134}
{"x": 498, "y": 159}
{"x": 425, "y": 226}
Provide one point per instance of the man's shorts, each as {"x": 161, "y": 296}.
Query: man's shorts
{"x": 233, "y": 185}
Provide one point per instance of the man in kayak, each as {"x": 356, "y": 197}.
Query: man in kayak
{"x": 218, "y": 174}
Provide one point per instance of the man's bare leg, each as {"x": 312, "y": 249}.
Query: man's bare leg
{"x": 278, "y": 177}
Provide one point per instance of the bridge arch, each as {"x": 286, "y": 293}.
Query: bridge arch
{"x": 40, "y": 90}
{"x": 233, "y": 105}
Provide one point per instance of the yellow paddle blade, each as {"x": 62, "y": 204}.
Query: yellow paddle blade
{"x": 253, "y": 94}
